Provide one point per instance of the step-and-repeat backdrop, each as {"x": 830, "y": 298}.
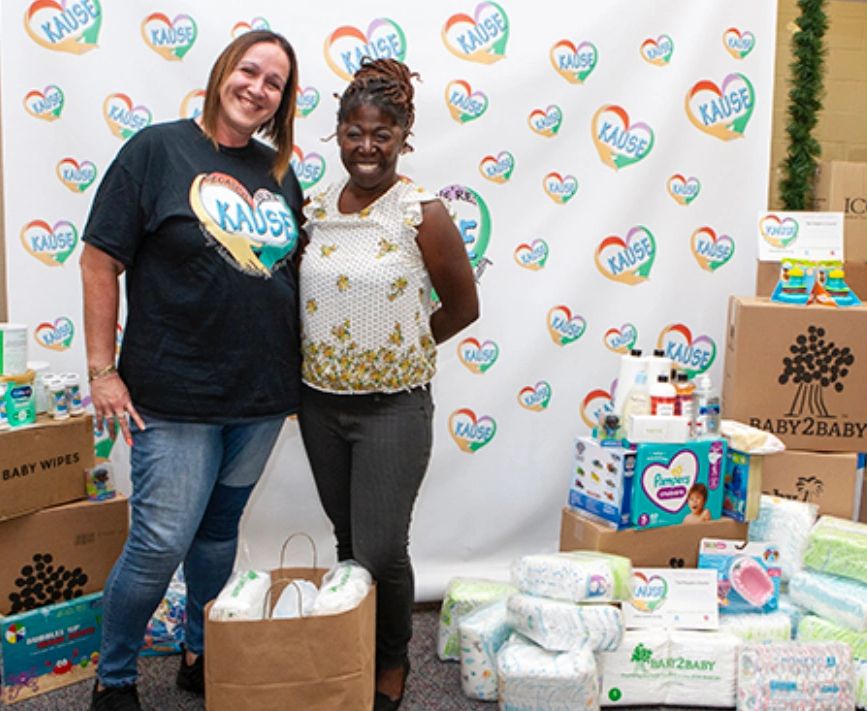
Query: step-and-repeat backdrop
{"x": 605, "y": 163}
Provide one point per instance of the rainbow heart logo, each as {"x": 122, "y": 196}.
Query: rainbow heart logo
{"x": 563, "y": 327}
{"x": 347, "y": 46}
{"x": 535, "y": 397}
{"x": 256, "y": 233}
{"x": 50, "y": 245}
{"x": 473, "y": 219}
{"x": 192, "y": 104}
{"x": 595, "y": 405}
{"x": 55, "y": 336}
{"x": 309, "y": 168}
{"x": 171, "y": 39}
{"x": 648, "y": 592}
{"x": 478, "y": 356}
{"x": 574, "y": 62}
{"x": 621, "y": 340}
{"x": 722, "y": 112}
{"x": 683, "y": 190}
{"x": 532, "y": 256}
{"x": 629, "y": 260}
{"x": 68, "y": 26}
{"x": 560, "y": 188}
{"x": 546, "y": 122}
{"x": 694, "y": 354}
{"x": 710, "y": 250}
{"x": 498, "y": 168}
{"x": 480, "y": 37}
{"x": 463, "y": 102}
{"x": 657, "y": 51}
{"x": 306, "y": 101}
{"x": 667, "y": 485}
{"x": 123, "y": 119}
{"x": 619, "y": 142}
{"x": 46, "y": 104}
{"x": 778, "y": 233}
{"x": 470, "y": 432}
{"x": 242, "y": 27}
{"x": 738, "y": 44}
{"x": 76, "y": 176}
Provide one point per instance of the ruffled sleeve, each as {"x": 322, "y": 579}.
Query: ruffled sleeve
{"x": 316, "y": 208}
{"x": 411, "y": 201}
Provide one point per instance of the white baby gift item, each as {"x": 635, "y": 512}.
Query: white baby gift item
{"x": 483, "y": 632}
{"x": 534, "y": 679}
{"x": 296, "y": 600}
{"x": 672, "y": 667}
{"x": 557, "y": 625}
{"x": 343, "y": 588}
{"x": 839, "y": 547}
{"x": 837, "y": 599}
{"x": 242, "y": 597}
{"x": 818, "y": 629}
{"x": 462, "y": 596}
{"x": 579, "y": 576}
{"x": 785, "y": 523}
{"x": 757, "y": 627}
{"x": 793, "y": 676}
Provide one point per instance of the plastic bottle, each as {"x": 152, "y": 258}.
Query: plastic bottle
{"x": 57, "y": 397}
{"x": 632, "y": 370}
{"x": 707, "y": 409}
{"x": 657, "y": 365}
{"x": 663, "y": 396}
{"x": 73, "y": 394}
{"x": 685, "y": 392}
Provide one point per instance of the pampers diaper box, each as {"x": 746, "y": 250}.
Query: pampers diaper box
{"x": 678, "y": 483}
{"x": 601, "y": 484}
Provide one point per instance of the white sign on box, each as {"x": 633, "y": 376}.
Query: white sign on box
{"x": 678, "y": 599}
{"x": 816, "y": 236}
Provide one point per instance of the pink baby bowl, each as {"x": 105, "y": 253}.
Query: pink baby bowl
{"x": 751, "y": 581}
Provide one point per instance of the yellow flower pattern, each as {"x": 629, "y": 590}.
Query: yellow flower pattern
{"x": 311, "y": 306}
{"x": 342, "y": 283}
{"x": 385, "y": 247}
{"x": 398, "y": 286}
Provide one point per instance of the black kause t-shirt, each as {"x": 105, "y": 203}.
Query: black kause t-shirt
{"x": 206, "y": 236}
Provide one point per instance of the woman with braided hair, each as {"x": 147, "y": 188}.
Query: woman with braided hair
{"x": 378, "y": 244}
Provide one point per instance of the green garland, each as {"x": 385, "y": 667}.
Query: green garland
{"x": 807, "y": 69}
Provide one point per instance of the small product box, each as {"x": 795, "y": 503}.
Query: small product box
{"x": 678, "y": 483}
{"x": 748, "y": 574}
{"x": 742, "y": 485}
{"x": 50, "y": 647}
{"x": 602, "y": 481}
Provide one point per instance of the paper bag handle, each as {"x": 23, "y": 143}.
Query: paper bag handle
{"x": 266, "y": 603}
{"x": 289, "y": 539}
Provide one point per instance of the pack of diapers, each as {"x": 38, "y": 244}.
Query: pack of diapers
{"x": 793, "y": 676}
{"x": 754, "y": 627}
{"x": 839, "y": 547}
{"x": 818, "y": 629}
{"x": 534, "y": 679}
{"x": 342, "y": 588}
{"x": 786, "y": 524}
{"x": 671, "y": 667}
{"x": 837, "y": 599}
{"x": 242, "y": 597}
{"x": 483, "y": 632}
{"x": 462, "y": 596}
{"x": 748, "y": 574}
{"x": 557, "y": 625}
{"x": 576, "y": 576}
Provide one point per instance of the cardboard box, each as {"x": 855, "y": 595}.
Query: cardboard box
{"x": 832, "y": 480}
{"x": 602, "y": 481}
{"x": 799, "y": 372}
{"x": 58, "y": 553}
{"x": 768, "y": 273}
{"x": 842, "y": 187}
{"x": 50, "y": 647}
{"x": 44, "y": 465}
{"x": 671, "y": 547}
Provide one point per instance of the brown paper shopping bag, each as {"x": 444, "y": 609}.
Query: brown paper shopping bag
{"x": 315, "y": 663}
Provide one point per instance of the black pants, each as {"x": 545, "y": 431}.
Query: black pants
{"x": 369, "y": 454}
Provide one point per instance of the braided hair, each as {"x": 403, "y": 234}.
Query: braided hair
{"x": 386, "y": 84}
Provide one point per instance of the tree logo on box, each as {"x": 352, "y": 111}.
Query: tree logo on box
{"x": 809, "y": 487}
{"x": 815, "y": 363}
{"x": 41, "y": 582}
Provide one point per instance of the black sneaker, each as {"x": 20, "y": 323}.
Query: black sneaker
{"x": 191, "y": 677}
{"x": 115, "y": 698}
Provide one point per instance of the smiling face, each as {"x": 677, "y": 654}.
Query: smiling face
{"x": 251, "y": 93}
{"x": 370, "y": 143}
{"x": 695, "y": 501}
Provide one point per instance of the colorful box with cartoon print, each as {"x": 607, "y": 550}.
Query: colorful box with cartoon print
{"x": 678, "y": 483}
{"x": 601, "y": 484}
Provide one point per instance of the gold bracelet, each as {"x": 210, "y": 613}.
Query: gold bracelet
{"x": 96, "y": 373}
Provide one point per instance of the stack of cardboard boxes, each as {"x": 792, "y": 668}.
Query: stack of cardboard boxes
{"x": 56, "y": 550}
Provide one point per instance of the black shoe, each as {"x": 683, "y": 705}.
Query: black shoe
{"x": 383, "y": 702}
{"x": 115, "y": 698}
{"x": 191, "y": 677}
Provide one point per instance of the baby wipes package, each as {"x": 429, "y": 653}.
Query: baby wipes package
{"x": 576, "y": 576}
{"x": 748, "y": 574}
{"x": 342, "y": 588}
{"x": 242, "y": 597}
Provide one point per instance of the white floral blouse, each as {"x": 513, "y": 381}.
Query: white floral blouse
{"x": 366, "y": 294}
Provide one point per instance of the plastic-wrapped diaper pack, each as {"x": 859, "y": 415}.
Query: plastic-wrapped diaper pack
{"x": 342, "y": 588}
{"x": 793, "y": 676}
{"x": 672, "y": 667}
{"x": 818, "y": 629}
{"x": 785, "y": 523}
{"x": 750, "y": 627}
{"x": 242, "y": 597}
{"x": 462, "y": 596}
{"x": 534, "y": 679}
{"x": 838, "y": 547}
{"x": 578, "y": 576}
{"x": 483, "y": 632}
{"x": 837, "y": 599}
{"x": 296, "y": 600}
{"x": 557, "y": 625}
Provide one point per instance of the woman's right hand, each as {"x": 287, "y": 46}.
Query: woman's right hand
{"x": 111, "y": 400}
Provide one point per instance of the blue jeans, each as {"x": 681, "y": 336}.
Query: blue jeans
{"x": 190, "y": 483}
